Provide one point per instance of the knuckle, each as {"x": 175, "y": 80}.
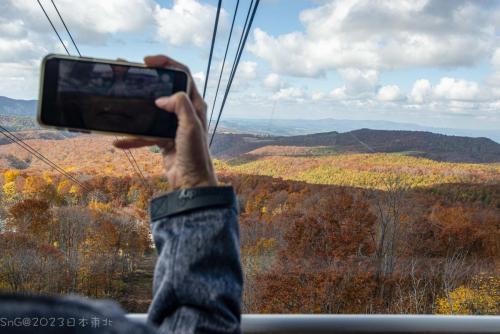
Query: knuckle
{"x": 184, "y": 103}
{"x": 183, "y": 98}
{"x": 194, "y": 125}
{"x": 181, "y": 67}
{"x": 183, "y": 95}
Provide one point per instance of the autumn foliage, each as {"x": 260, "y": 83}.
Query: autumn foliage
{"x": 349, "y": 233}
{"x": 328, "y": 249}
{"x": 56, "y": 239}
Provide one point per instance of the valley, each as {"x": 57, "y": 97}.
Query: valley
{"x": 369, "y": 221}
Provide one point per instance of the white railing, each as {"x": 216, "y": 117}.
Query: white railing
{"x": 333, "y": 323}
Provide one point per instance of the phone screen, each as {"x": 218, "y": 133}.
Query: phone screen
{"x": 87, "y": 95}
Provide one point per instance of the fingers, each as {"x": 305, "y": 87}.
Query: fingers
{"x": 197, "y": 101}
{"x": 201, "y": 110}
{"x": 164, "y": 61}
{"x": 179, "y": 104}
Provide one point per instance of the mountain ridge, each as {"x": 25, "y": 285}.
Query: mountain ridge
{"x": 15, "y": 107}
{"x": 281, "y": 127}
{"x": 292, "y": 127}
{"x": 19, "y": 115}
{"x": 429, "y": 145}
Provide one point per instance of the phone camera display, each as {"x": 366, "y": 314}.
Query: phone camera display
{"x": 113, "y": 97}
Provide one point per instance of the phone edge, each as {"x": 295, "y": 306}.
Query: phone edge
{"x": 107, "y": 61}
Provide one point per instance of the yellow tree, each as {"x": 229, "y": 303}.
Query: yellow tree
{"x": 47, "y": 177}
{"x": 480, "y": 298}
{"x": 9, "y": 191}
{"x": 64, "y": 187}
{"x": 10, "y": 175}
{"x": 75, "y": 194}
{"x": 33, "y": 185}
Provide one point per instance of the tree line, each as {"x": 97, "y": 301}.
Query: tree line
{"x": 305, "y": 248}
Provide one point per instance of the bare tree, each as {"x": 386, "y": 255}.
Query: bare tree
{"x": 412, "y": 288}
{"x": 72, "y": 224}
{"x": 389, "y": 209}
{"x": 455, "y": 270}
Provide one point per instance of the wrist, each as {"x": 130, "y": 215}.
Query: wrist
{"x": 208, "y": 180}
{"x": 201, "y": 183}
{"x": 187, "y": 200}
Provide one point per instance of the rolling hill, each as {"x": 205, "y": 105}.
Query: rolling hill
{"x": 418, "y": 143}
{"x": 295, "y": 127}
{"x": 86, "y": 156}
{"x": 19, "y": 115}
{"x": 13, "y": 107}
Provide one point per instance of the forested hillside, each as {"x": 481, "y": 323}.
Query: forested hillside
{"x": 425, "y": 144}
{"x": 13, "y": 107}
{"x": 322, "y": 231}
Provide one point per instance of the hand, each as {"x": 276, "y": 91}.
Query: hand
{"x": 187, "y": 158}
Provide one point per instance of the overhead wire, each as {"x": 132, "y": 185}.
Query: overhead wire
{"x": 65, "y": 27}
{"x": 212, "y": 46}
{"x": 138, "y": 169}
{"x": 365, "y": 145}
{"x": 271, "y": 117}
{"x": 223, "y": 62}
{"x": 15, "y": 139}
{"x": 242, "y": 35}
{"x": 52, "y": 25}
{"x": 12, "y": 137}
{"x": 133, "y": 162}
{"x": 131, "y": 159}
{"x": 135, "y": 166}
{"x": 235, "y": 64}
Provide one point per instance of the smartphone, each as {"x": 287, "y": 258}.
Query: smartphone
{"x": 112, "y": 97}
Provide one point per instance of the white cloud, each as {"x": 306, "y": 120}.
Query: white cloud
{"x": 290, "y": 93}
{"x": 91, "y": 21}
{"x": 25, "y": 33}
{"x": 244, "y": 78}
{"x": 187, "y": 22}
{"x": 274, "y": 82}
{"x": 389, "y": 93}
{"x": 495, "y": 58}
{"x": 421, "y": 91}
{"x": 380, "y": 35}
{"x": 358, "y": 82}
{"x": 199, "y": 79}
{"x": 318, "y": 96}
{"x": 11, "y": 49}
{"x": 26, "y": 36}
{"x": 493, "y": 80}
{"x": 11, "y": 29}
{"x": 18, "y": 80}
{"x": 339, "y": 93}
{"x": 106, "y": 17}
{"x": 457, "y": 89}
{"x": 448, "y": 95}
{"x": 448, "y": 89}
{"x": 247, "y": 70}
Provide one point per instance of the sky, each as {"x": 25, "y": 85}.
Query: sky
{"x": 430, "y": 62}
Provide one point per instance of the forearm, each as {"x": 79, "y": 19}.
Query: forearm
{"x": 198, "y": 280}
